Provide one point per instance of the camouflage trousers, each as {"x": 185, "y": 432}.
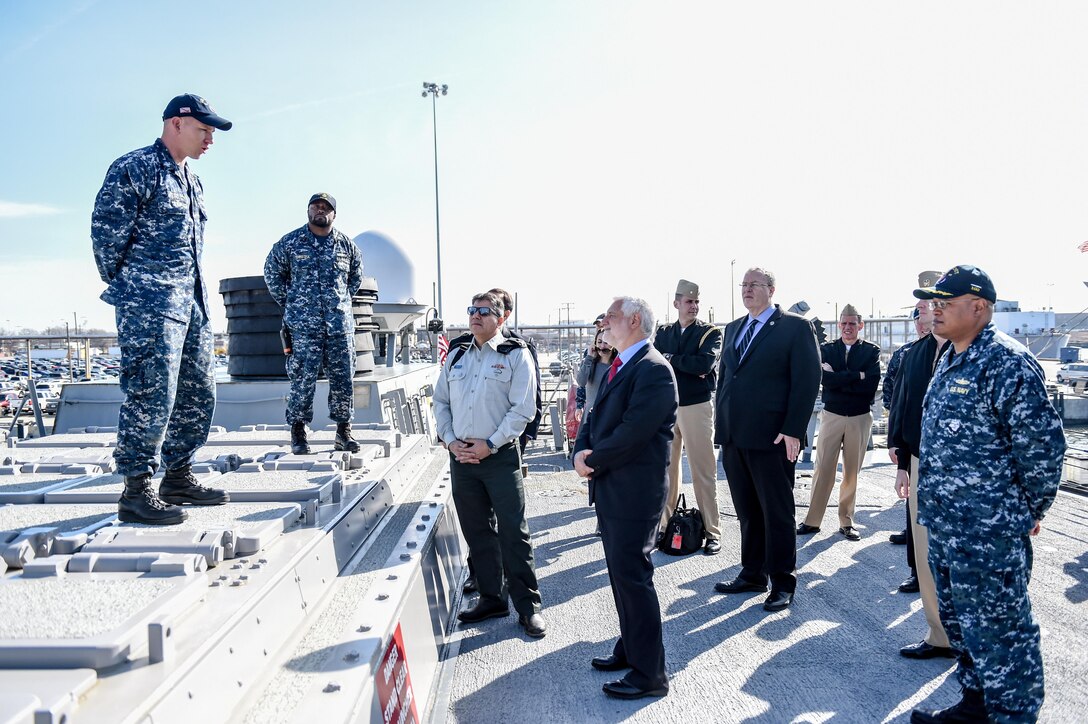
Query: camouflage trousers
{"x": 308, "y": 354}
{"x": 982, "y": 596}
{"x": 168, "y": 380}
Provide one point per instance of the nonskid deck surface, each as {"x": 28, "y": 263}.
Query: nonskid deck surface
{"x": 832, "y": 656}
{"x": 83, "y": 592}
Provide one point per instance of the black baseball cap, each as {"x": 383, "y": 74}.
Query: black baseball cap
{"x": 960, "y": 280}
{"x": 327, "y": 198}
{"x": 195, "y": 106}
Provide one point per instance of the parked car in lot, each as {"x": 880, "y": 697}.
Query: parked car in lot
{"x": 1070, "y": 373}
{"x": 48, "y": 403}
{"x": 10, "y": 403}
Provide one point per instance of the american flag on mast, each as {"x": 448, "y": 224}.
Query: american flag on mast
{"x": 444, "y": 345}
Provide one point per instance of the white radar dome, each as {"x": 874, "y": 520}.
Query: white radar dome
{"x": 384, "y": 260}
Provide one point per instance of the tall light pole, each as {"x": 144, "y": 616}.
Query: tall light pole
{"x": 433, "y": 90}
{"x": 732, "y": 289}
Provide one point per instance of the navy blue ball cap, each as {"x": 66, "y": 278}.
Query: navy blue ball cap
{"x": 196, "y": 107}
{"x": 327, "y": 198}
{"x": 958, "y": 281}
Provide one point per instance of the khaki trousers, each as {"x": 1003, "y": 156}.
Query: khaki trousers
{"x": 927, "y": 588}
{"x": 851, "y": 435}
{"x": 694, "y": 432}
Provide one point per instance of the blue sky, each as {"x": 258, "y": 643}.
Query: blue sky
{"x": 586, "y": 149}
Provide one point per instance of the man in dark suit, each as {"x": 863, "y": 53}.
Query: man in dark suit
{"x": 767, "y": 384}
{"x": 623, "y": 448}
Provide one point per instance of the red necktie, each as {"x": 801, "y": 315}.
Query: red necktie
{"x": 614, "y": 368}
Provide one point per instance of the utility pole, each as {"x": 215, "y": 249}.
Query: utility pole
{"x": 567, "y": 306}
{"x": 68, "y": 347}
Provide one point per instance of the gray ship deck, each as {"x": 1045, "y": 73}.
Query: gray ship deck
{"x": 833, "y": 656}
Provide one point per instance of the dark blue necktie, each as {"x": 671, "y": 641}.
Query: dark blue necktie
{"x": 747, "y": 338}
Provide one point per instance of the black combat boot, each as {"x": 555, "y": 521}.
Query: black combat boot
{"x": 181, "y": 487}
{"x": 344, "y": 440}
{"x": 971, "y": 709}
{"x": 139, "y": 504}
{"x": 299, "y": 446}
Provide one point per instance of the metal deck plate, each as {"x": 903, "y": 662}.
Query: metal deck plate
{"x": 19, "y": 487}
{"x": 77, "y": 439}
{"x": 341, "y": 459}
{"x": 226, "y": 459}
{"x": 281, "y": 485}
{"x": 35, "y": 531}
{"x": 80, "y": 620}
{"x": 106, "y": 488}
{"x": 55, "y": 694}
{"x": 39, "y": 459}
{"x": 251, "y": 527}
{"x": 245, "y": 438}
{"x": 308, "y": 487}
{"x": 385, "y": 439}
{"x": 21, "y": 454}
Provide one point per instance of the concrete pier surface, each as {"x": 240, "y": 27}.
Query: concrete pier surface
{"x": 832, "y": 656}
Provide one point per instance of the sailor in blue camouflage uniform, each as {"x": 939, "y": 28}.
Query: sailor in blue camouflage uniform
{"x": 147, "y": 230}
{"x": 312, "y": 273}
{"x": 991, "y": 459}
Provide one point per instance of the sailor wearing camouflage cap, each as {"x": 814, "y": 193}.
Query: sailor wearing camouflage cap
{"x": 312, "y": 273}
{"x": 147, "y": 230}
{"x": 990, "y": 463}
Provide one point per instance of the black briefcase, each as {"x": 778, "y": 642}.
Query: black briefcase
{"x": 684, "y": 534}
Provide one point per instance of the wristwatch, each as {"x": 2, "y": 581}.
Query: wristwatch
{"x": 491, "y": 445}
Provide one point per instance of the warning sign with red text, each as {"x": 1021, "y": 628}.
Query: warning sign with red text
{"x": 395, "y": 685}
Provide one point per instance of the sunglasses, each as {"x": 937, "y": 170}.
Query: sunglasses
{"x": 483, "y": 311}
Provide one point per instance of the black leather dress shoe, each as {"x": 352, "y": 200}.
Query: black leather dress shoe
{"x": 534, "y": 625}
{"x": 849, "y": 532}
{"x": 609, "y": 663}
{"x": 806, "y": 529}
{"x": 898, "y": 539}
{"x": 712, "y": 547}
{"x": 923, "y": 650}
{"x": 778, "y": 601}
{"x": 970, "y": 709}
{"x": 484, "y": 610}
{"x": 623, "y": 689}
{"x": 739, "y": 585}
{"x": 910, "y": 585}
{"x": 470, "y": 585}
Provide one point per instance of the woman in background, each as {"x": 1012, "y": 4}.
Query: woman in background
{"x": 594, "y": 369}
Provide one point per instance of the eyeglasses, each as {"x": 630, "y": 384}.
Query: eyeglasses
{"x": 942, "y": 303}
{"x": 483, "y": 311}
{"x": 752, "y": 285}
